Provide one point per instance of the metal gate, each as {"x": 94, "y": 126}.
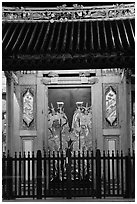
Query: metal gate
{"x": 68, "y": 174}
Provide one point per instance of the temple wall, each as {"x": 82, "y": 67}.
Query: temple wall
{"x": 32, "y": 133}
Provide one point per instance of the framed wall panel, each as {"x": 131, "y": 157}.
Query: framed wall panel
{"x": 28, "y": 108}
{"x": 110, "y": 106}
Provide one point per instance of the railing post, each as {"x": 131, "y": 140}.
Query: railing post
{"x": 39, "y": 175}
{"x": 128, "y": 176}
{"x": 9, "y": 183}
{"x": 133, "y": 183}
{"x": 98, "y": 174}
{"x": 4, "y": 176}
{"x": 68, "y": 166}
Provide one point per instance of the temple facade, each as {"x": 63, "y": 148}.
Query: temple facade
{"x": 69, "y": 78}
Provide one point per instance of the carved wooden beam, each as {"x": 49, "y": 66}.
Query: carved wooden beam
{"x": 64, "y": 13}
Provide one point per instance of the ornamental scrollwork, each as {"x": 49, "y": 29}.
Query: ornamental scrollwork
{"x": 64, "y": 13}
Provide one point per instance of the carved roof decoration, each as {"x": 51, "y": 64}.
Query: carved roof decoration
{"x": 64, "y": 13}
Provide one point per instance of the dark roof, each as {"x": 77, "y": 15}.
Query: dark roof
{"x": 66, "y": 41}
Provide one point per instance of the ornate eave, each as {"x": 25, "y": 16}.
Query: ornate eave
{"x": 64, "y": 37}
{"x": 64, "y": 13}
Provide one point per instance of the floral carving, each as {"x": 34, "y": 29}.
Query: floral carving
{"x": 64, "y": 13}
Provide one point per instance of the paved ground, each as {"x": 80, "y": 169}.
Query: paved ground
{"x": 78, "y": 199}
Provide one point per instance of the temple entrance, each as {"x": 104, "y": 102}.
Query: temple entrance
{"x": 70, "y": 118}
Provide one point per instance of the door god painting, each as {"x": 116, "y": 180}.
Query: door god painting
{"x": 60, "y": 132}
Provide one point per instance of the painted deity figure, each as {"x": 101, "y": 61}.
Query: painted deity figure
{"x": 82, "y": 127}
{"x": 58, "y": 128}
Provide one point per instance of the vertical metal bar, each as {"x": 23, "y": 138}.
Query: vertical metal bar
{"x": 117, "y": 163}
{"x": 24, "y": 174}
{"x": 108, "y": 173}
{"x": 113, "y": 173}
{"x": 20, "y": 174}
{"x": 133, "y": 194}
{"x": 45, "y": 175}
{"x": 83, "y": 169}
{"x": 9, "y": 189}
{"x": 33, "y": 175}
{"x": 104, "y": 172}
{"x": 98, "y": 174}
{"x": 15, "y": 173}
{"x": 49, "y": 173}
{"x": 62, "y": 171}
{"x": 28, "y": 173}
{"x": 92, "y": 173}
{"x": 122, "y": 174}
{"x": 4, "y": 175}
{"x": 88, "y": 189}
{"x": 54, "y": 172}
{"x": 79, "y": 171}
{"x": 58, "y": 170}
{"x": 74, "y": 173}
{"x": 39, "y": 175}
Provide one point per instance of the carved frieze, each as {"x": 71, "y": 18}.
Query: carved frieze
{"x": 64, "y": 13}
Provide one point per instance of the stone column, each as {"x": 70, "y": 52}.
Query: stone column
{"x": 9, "y": 114}
{"x": 46, "y": 118}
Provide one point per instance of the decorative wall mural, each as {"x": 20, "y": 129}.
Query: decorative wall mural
{"x": 60, "y": 134}
{"x": 111, "y": 115}
{"x": 28, "y": 107}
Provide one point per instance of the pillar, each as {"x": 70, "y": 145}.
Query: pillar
{"x": 9, "y": 114}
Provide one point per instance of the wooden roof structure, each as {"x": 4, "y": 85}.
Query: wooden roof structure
{"x": 67, "y": 38}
